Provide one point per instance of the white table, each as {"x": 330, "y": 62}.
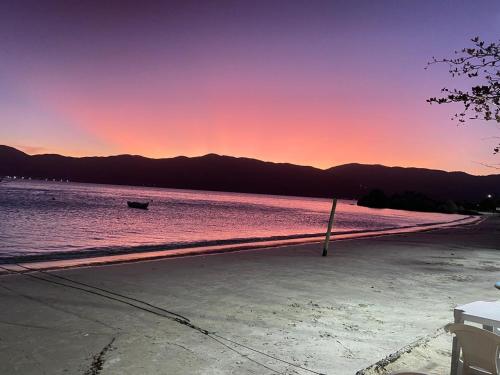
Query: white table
{"x": 485, "y": 313}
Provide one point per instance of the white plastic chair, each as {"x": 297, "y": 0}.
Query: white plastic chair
{"x": 479, "y": 348}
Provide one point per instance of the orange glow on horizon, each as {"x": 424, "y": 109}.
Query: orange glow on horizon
{"x": 321, "y": 85}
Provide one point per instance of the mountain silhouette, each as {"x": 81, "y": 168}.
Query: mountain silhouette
{"x": 226, "y": 173}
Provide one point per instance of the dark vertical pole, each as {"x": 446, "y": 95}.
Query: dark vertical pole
{"x": 330, "y": 224}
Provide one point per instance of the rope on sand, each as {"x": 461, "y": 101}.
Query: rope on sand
{"x": 102, "y": 290}
{"x": 172, "y": 316}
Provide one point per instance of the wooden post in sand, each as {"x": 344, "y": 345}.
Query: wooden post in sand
{"x": 330, "y": 224}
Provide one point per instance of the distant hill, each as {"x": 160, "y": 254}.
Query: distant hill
{"x": 225, "y": 173}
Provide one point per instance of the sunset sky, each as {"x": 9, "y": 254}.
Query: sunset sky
{"x": 316, "y": 83}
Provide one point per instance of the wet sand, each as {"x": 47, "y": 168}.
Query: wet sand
{"x": 336, "y": 315}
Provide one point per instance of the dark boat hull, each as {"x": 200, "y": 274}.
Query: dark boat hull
{"x": 140, "y": 205}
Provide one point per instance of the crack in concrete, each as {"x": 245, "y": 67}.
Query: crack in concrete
{"x": 98, "y": 359}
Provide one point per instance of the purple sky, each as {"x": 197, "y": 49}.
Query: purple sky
{"x": 309, "y": 82}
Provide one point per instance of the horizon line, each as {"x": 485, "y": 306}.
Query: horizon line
{"x": 249, "y": 158}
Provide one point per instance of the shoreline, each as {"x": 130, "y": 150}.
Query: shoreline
{"x": 335, "y": 315}
{"x": 83, "y": 259}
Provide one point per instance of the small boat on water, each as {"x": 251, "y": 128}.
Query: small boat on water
{"x": 141, "y": 205}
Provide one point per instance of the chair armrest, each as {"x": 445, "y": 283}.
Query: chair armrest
{"x": 447, "y": 327}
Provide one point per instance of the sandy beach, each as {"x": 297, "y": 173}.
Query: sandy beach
{"x": 337, "y": 315}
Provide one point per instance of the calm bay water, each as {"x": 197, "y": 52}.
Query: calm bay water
{"x": 45, "y": 220}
